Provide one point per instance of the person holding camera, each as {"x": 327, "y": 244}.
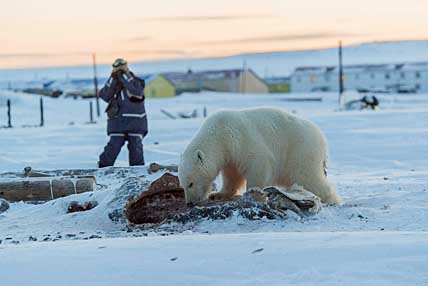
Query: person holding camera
{"x": 127, "y": 119}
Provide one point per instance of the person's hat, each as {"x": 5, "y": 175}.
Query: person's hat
{"x": 119, "y": 62}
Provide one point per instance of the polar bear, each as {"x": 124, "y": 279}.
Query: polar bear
{"x": 260, "y": 147}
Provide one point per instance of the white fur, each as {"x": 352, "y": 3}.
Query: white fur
{"x": 262, "y": 147}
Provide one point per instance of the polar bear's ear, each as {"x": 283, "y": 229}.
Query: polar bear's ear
{"x": 200, "y": 156}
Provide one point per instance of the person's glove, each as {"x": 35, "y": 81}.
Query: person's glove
{"x": 115, "y": 70}
{"x": 123, "y": 68}
{"x": 115, "y": 74}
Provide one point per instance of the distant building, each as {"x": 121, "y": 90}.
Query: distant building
{"x": 234, "y": 80}
{"x": 157, "y": 86}
{"x": 278, "y": 84}
{"x": 407, "y": 77}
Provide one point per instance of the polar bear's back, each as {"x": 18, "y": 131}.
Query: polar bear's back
{"x": 261, "y": 124}
{"x": 265, "y": 130}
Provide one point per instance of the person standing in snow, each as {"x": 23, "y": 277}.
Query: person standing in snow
{"x": 127, "y": 120}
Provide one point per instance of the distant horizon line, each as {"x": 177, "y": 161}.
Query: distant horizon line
{"x": 386, "y": 41}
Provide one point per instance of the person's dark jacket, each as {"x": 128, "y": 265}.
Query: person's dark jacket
{"x": 131, "y": 115}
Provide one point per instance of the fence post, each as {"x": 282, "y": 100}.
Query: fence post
{"x": 205, "y": 111}
{"x": 91, "y": 113}
{"x": 9, "y": 119}
{"x": 97, "y": 98}
{"x": 341, "y": 75}
{"x": 42, "y": 115}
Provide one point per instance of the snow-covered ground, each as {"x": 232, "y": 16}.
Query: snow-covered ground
{"x": 321, "y": 258}
{"x": 378, "y": 160}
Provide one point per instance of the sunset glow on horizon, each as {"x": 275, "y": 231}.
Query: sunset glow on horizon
{"x": 52, "y": 33}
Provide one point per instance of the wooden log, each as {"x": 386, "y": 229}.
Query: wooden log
{"x": 44, "y": 189}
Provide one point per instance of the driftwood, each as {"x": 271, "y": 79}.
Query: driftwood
{"x": 155, "y": 167}
{"x": 171, "y": 116}
{"x": 29, "y": 172}
{"x": 44, "y": 188}
{"x": 184, "y": 115}
{"x": 164, "y": 202}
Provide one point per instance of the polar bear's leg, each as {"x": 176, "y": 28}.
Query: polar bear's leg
{"x": 324, "y": 190}
{"x": 313, "y": 179}
{"x": 232, "y": 182}
{"x": 331, "y": 197}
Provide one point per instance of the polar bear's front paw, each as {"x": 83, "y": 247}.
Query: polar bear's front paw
{"x": 222, "y": 196}
{"x": 218, "y": 196}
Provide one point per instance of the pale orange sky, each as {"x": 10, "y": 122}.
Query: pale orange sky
{"x": 38, "y": 33}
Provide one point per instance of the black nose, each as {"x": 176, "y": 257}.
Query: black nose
{"x": 189, "y": 204}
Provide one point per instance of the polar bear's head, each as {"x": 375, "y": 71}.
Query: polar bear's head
{"x": 195, "y": 176}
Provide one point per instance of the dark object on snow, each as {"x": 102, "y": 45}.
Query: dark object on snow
{"x": 165, "y": 202}
{"x": 270, "y": 203}
{"x": 91, "y": 114}
{"x": 355, "y": 101}
{"x": 4, "y": 206}
{"x": 257, "y": 250}
{"x": 77, "y": 207}
{"x": 370, "y": 102}
{"x": 163, "y": 198}
{"x": 42, "y": 113}
{"x": 171, "y": 116}
{"x": 155, "y": 167}
{"x": 9, "y": 117}
{"x": 185, "y": 115}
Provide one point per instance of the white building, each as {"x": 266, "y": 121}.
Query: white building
{"x": 407, "y": 77}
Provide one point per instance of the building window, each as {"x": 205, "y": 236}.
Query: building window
{"x": 387, "y": 76}
{"x": 418, "y": 87}
{"x": 418, "y": 74}
{"x": 327, "y": 77}
{"x": 357, "y": 76}
{"x": 403, "y": 75}
{"x": 372, "y": 76}
{"x": 298, "y": 79}
{"x": 314, "y": 78}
